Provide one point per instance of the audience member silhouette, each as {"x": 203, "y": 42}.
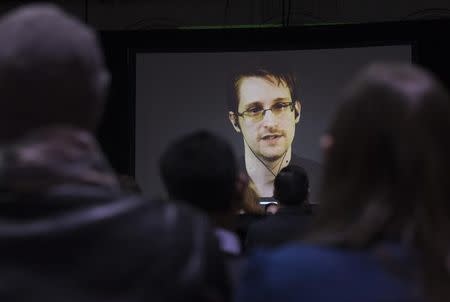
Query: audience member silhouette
{"x": 67, "y": 232}
{"x": 291, "y": 189}
{"x": 251, "y": 212}
{"x": 200, "y": 168}
{"x": 382, "y": 228}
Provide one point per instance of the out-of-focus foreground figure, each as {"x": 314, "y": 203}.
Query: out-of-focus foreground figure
{"x": 383, "y": 224}
{"x": 67, "y": 231}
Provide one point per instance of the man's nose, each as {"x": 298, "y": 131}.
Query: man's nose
{"x": 269, "y": 118}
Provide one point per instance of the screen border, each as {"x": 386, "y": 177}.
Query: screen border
{"x": 196, "y": 45}
{"x": 117, "y": 131}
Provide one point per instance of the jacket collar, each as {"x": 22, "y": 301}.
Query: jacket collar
{"x": 51, "y": 157}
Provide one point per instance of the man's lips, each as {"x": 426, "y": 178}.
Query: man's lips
{"x": 268, "y": 137}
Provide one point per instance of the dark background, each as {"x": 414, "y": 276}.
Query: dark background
{"x": 116, "y": 133}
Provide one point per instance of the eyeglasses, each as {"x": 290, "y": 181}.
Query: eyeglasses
{"x": 256, "y": 113}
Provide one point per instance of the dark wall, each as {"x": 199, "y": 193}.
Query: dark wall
{"x": 145, "y": 14}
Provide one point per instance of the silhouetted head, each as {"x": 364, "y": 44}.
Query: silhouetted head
{"x": 51, "y": 72}
{"x": 200, "y": 168}
{"x": 386, "y": 171}
{"x": 378, "y": 145}
{"x": 291, "y": 186}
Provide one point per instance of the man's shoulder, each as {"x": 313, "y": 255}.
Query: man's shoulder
{"x": 155, "y": 239}
{"x": 305, "y": 163}
{"x": 92, "y": 210}
{"x": 126, "y": 226}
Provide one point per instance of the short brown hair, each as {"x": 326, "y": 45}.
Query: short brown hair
{"x": 272, "y": 74}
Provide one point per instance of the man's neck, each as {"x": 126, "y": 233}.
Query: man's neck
{"x": 262, "y": 172}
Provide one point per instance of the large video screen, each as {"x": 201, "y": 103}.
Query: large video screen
{"x": 273, "y": 114}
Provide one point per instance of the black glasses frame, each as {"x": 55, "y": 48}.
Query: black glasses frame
{"x": 263, "y": 112}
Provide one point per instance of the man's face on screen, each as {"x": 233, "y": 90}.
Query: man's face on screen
{"x": 270, "y": 134}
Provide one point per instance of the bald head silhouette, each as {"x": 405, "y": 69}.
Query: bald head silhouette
{"x": 52, "y": 72}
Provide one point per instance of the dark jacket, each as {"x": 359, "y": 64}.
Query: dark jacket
{"x": 288, "y": 224}
{"x": 301, "y": 272}
{"x": 243, "y": 222}
{"x": 67, "y": 233}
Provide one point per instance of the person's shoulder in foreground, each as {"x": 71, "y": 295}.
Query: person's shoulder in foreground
{"x": 67, "y": 232}
{"x": 302, "y": 272}
{"x": 287, "y": 224}
{"x": 90, "y": 246}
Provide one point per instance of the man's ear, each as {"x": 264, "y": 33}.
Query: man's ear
{"x": 298, "y": 111}
{"x": 234, "y": 121}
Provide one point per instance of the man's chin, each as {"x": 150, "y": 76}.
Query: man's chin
{"x": 273, "y": 156}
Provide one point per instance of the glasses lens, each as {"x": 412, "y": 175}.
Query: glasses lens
{"x": 254, "y": 113}
{"x": 281, "y": 108}
{"x": 278, "y": 109}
